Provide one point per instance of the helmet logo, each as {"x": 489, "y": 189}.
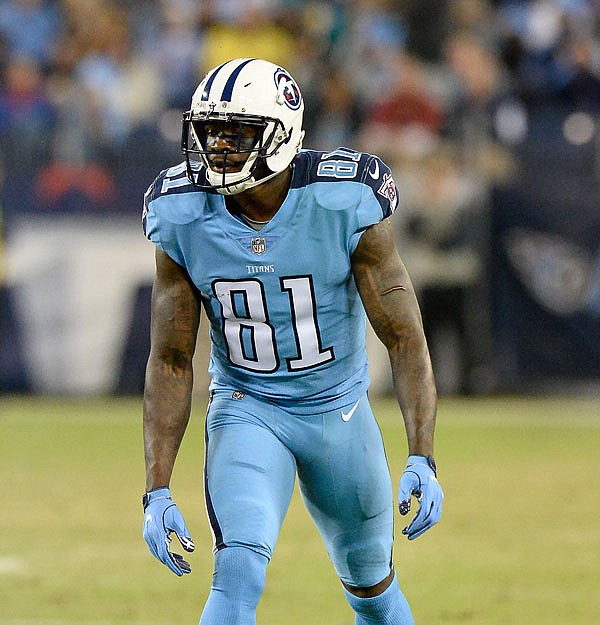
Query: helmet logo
{"x": 288, "y": 92}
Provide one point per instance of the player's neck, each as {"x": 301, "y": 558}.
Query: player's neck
{"x": 260, "y": 203}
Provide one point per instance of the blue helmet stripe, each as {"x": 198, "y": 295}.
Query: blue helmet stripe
{"x": 210, "y": 81}
{"x": 228, "y": 89}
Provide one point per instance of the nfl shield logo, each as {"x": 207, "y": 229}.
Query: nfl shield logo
{"x": 258, "y": 245}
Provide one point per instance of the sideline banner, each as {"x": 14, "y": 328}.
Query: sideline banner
{"x": 545, "y": 272}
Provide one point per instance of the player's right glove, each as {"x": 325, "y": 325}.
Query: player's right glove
{"x": 161, "y": 517}
{"x": 419, "y": 480}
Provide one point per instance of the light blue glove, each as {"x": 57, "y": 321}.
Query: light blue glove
{"x": 161, "y": 517}
{"x": 419, "y": 480}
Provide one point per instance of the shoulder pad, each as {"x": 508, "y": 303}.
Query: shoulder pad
{"x": 171, "y": 198}
{"x": 170, "y": 181}
{"x": 347, "y": 165}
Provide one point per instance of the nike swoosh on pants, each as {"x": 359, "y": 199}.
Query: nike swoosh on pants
{"x": 346, "y": 416}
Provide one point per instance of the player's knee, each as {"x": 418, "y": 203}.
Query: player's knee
{"x": 367, "y": 564}
{"x": 240, "y": 573}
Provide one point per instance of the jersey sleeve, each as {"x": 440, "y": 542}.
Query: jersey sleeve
{"x": 149, "y": 217}
{"x": 379, "y": 196}
{"x": 168, "y": 206}
{"x": 379, "y": 183}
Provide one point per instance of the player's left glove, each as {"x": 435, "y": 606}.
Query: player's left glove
{"x": 419, "y": 480}
{"x": 161, "y": 517}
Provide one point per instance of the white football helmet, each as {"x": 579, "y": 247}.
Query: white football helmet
{"x": 247, "y": 92}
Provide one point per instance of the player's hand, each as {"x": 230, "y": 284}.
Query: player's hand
{"x": 161, "y": 518}
{"x": 419, "y": 480}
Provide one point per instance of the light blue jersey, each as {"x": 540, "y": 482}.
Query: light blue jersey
{"x": 287, "y": 323}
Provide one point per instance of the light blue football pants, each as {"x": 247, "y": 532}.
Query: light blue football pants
{"x": 254, "y": 450}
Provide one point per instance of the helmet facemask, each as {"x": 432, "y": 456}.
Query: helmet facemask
{"x": 249, "y": 140}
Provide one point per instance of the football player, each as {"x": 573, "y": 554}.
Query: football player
{"x": 285, "y": 249}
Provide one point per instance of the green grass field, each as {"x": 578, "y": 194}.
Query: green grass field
{"x": 518, "y": 544}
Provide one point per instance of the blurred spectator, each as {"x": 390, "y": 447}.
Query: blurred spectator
{"x": 27, "y": 117}
{"x": 175, "y": 51}
{"x": 121, "y": 89}
{"x": 30, "y": 28}
{"x": 335, "y": 117}
{"x": 479, "y": 89}
{"x": 536, "y": 39}
{"x": 375, "y": 35}
{"x": 2, "y": 259}
{"x": 427, "y": 26}
{"x": 406, "y": 120}
{"x": 475, "y": 16}
{"x": 443, "y": 234}
{"x": 253, "y": 28}
{"x": 582, "y": 91}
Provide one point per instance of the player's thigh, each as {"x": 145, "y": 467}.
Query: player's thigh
{"x": 249, "y": 475}
{"x": 347, "y": 489}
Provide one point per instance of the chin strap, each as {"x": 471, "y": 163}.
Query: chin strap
{"x": 234, "y": 189}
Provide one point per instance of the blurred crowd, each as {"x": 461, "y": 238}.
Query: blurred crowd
{"x": 442, "y": 89}
{"x": 455, "y": 95}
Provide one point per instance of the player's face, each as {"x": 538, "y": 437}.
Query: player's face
{"x": 228, "y": 144}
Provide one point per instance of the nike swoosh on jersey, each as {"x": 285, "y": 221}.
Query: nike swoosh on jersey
{"x": 346, "y": 416}
{"x": 375, "y": 173}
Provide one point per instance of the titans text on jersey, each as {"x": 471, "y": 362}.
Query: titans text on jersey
{"x": 275, "y": 298}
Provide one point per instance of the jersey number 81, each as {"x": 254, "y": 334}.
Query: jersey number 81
{"x": 250, "y": 336}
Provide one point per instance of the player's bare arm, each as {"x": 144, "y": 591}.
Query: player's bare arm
{"x": 168, "y": 387}
{"x": 391, "y": 305}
